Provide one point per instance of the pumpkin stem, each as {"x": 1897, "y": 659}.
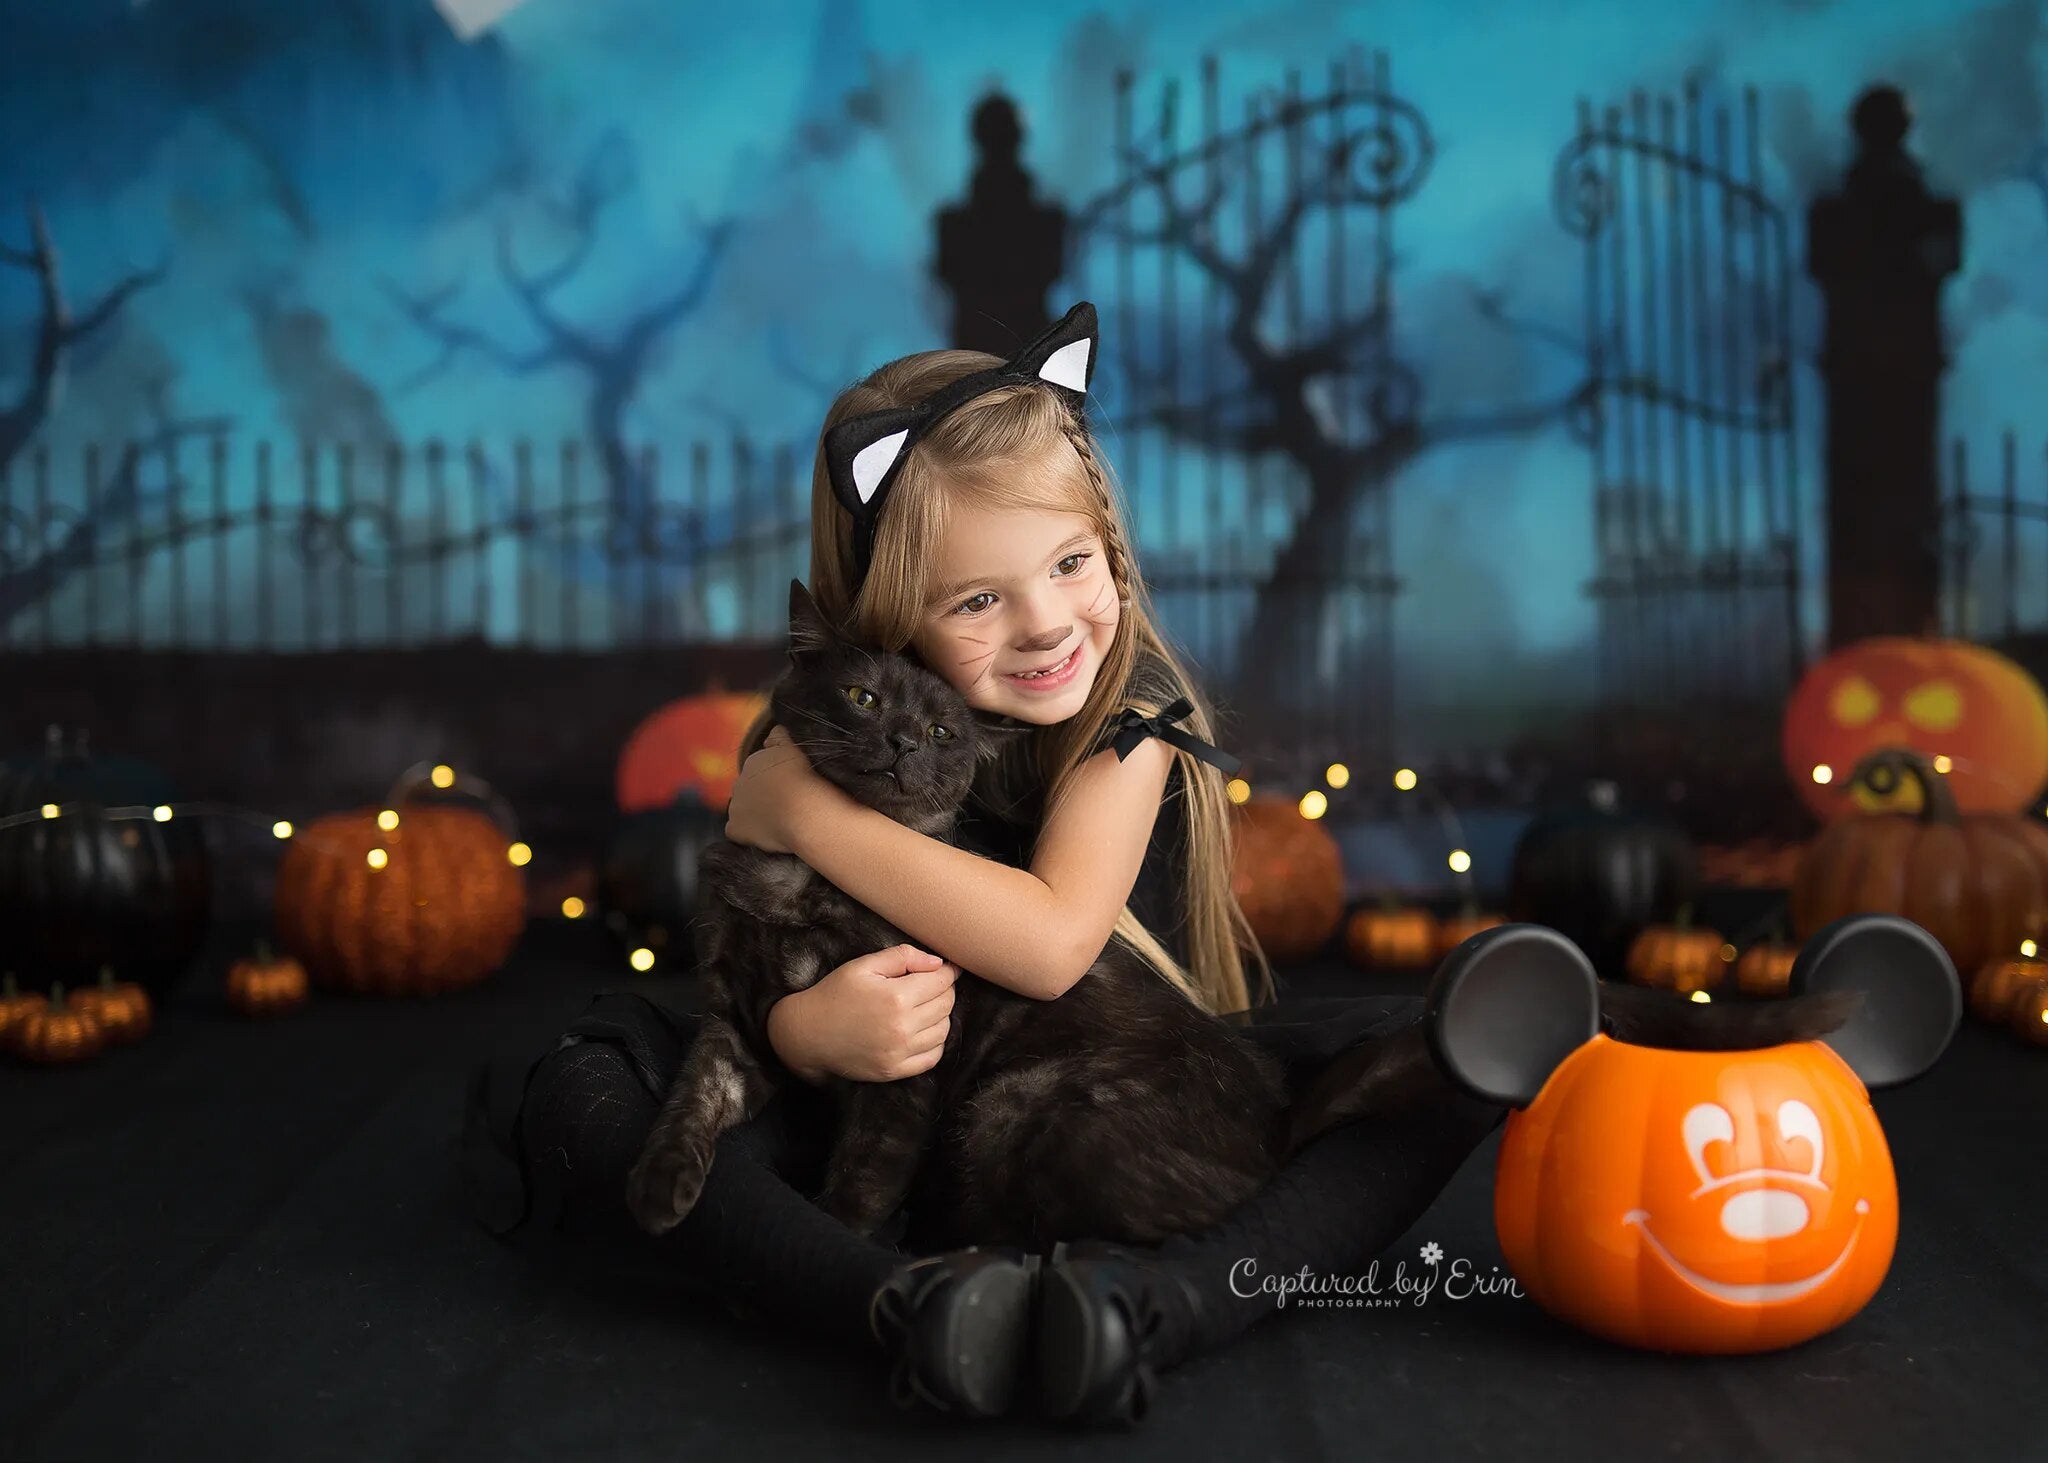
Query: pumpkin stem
{"x": 107, "y": 976}
{"x": 263, "y": 949}
{"x": 1683, "y": 919}
{"x": 8, "y": 988}
{"x": 1882, "y": 769}
{"x": 56, "y": 993}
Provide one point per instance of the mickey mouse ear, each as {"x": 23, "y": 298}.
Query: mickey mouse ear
{"x": 1911, "y": 1003}
{"x": 1507, "y": 1006}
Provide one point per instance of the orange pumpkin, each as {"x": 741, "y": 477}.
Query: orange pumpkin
{"x": 1935, "y": 697}
{"x": 1392, "y": 936}
{"x": 2030, "y": 1014}
{"x": 431, "y": 904}
{"x": 60, "y": 1033}
{"x": 1460, "y": 927}
{"x": 121, "y": 1007}
{"x": 1765, "y": 968}
{"x": 16, "y": 1003}
{"x": 1678, "y": 957}
{"x": 1998, "y": 986}
{"x": 1288, "y": 878}
{"x": 266, "y": 984}
{"x": 1677, "y": 1239}
{"x": 1977, "y": 881}
{"x": 691, "y": 745}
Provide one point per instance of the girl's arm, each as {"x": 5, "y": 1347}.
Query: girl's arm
{"x": 1036, "y": 930}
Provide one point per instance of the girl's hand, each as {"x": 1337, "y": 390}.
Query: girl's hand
{"x": 877, "y": 1018}
{"x": 768, "y": 796}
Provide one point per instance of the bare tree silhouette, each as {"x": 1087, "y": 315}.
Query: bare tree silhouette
{"x": 1276, "y": 408}
{"x": 613, "y": 364}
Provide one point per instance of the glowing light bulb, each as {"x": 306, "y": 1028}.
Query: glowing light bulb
{"x": 1459, "y": 861}
{"x": 1338, "y": 776}
{"x": 1728, "y": 954}
{"x": 2029, "y": 949}
{"x": 1314, "y": 804}
{"x": 641, "y": 959}
{"x": 378, "y": 858}
{"x": 49, "y": 810}
{"x": 1405, "y": 779}
{"x": 1240, "y": 791}
{"x": 161, "y": 812}
{"x": 1823, "y": 774}
{"x": 1701, "y": 997}
{"x": 280, "y": 829}
{"x": 443, "y": 776}
{"x": 520, "y": 855}
{"x": 1943, "y": 764}
{"x": 388, "y": 819}
{"x": 572, "y": 908}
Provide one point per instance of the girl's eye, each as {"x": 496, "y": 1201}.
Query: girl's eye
{"x": 940, "y": 734}
{"x": 964, "y": 607}
{"x": 1070, "y": 573}
{"x": 860, "y": 696}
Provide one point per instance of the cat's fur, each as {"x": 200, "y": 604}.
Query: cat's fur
{"x": 1121, "y": 1110}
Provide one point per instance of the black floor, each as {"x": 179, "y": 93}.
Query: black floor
{"x": 246, "y": 1241}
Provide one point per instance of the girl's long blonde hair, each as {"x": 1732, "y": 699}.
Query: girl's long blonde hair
{"x": 1022, "y": 447}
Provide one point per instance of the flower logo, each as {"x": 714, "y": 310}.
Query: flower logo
{"x": 1432, "y": 1252}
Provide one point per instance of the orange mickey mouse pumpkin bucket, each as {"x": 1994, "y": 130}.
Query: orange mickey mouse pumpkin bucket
{"x": 1696, "y": 1178}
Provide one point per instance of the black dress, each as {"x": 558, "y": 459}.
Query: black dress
{"x": 549, "y": 1138}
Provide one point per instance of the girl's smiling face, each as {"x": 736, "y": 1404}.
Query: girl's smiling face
{"x": 1019, "y": 591}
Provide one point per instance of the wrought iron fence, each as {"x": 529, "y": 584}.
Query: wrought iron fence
{"x": 1995, "y": 542}
{"x": 1690, "y": 411}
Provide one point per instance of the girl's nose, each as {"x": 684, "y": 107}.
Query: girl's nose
{"x": 1051, "y": 639}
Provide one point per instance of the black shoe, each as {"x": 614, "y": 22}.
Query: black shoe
{"x": 1109, "y": 1321}
{"x": 955, "y": 1327}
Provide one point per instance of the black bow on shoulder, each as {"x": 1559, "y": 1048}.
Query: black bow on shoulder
{"x": 1133, "y": 726}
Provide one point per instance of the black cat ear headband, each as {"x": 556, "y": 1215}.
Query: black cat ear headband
{"x": 863, "y": 455}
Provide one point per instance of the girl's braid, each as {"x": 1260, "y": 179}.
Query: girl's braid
{"x": 1121, "y": 565}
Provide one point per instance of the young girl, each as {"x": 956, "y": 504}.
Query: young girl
{"x": 960, "y": 515}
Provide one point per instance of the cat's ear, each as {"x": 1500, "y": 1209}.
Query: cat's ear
{"x": 995, "y": 733}
{"x": 809, "y": 630}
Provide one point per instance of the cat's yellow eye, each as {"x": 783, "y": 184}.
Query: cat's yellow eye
{"x": 940, "y": 733}
{"x": 860, "y": 696}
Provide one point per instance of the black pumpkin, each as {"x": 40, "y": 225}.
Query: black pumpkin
{"x": 1600, "y": 875}
{"x": 647, "y": 879}
{"x": 83, "y": 890}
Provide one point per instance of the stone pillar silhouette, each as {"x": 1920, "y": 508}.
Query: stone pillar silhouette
{"x": 1881, "y": 249}
{"x": 1000, "y": 251}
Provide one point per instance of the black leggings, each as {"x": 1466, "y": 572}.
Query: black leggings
{"x": 549, "y": 1147}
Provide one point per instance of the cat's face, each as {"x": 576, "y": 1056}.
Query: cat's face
{"x": 889, "y": 732}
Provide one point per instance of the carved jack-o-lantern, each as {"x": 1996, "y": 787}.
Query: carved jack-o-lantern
{"x": 1939, "y": 698}
{"x": 1676, "y": 1185}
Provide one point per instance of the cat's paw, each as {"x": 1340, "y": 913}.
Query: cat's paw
{"x": 663, "y": 1188}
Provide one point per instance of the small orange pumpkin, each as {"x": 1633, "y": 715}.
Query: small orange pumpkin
{"x": 1391, "y": 937}
{"x": 16, "y": 1003}
{"x": 1678, "y": 956}
{"x": 61, "y": 1033}
{"x": 2030, "y": 1014}
{"x": 122, "y": 1007}
{"x": 1765, "y": 968}
{"x": 266, "y": 984}
{"x": 1998, "y": 986}
{"x": 1288, "y": 878}
{"x": 1462, "y": 926}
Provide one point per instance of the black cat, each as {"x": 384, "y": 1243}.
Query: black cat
{"x": 1119, "y": 1111}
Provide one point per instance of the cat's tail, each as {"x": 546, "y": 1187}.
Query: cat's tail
{"x": 1376, "y": 1076}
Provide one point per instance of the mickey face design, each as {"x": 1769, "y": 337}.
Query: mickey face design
{"x": 1692, "y": 1200}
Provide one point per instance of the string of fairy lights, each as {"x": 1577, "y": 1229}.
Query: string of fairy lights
{"x": 439, "y": 775}
{"x": 1314, "y": 803}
